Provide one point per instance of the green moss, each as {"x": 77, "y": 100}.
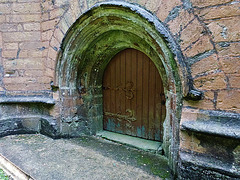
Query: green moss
{"x": 3, "y": 176}
{"x": 157, "y": 164}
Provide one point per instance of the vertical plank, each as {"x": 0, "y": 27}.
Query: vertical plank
{"x": 151, "y": 100}
{"x": 145, "y": 88}
{"x": 123, "y": 82}
{"x": 139, "y": 95}
{"x": 134, "y": 100}
{"x": 117, "y": 91}
{"x": 127, "y": 86}
{"x": 107, "y": 96}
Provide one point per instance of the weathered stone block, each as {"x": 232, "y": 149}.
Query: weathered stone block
{"x": 211, "y": 82}
{"x": 227, "y": 100}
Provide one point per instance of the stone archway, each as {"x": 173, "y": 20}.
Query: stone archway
{"x": 89, "y": 45}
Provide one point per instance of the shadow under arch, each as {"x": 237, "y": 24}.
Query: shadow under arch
{"x": 91, "y": 42}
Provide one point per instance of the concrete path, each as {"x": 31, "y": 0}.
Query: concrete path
{"x": 89, "y": 158}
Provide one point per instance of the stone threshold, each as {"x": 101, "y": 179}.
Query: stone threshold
{"x": 147, "y": 145}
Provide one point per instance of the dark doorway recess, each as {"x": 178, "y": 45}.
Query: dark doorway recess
{"x": 133, "y": 96}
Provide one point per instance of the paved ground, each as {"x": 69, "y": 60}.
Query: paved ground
{"x": 82, "y": 158}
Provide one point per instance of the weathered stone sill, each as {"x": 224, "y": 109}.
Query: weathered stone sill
{"x": 205, "y": 164}
{"x": 229, "y": 129}
{"x": 215, "y": 123}
{"x": 14, "y": 100}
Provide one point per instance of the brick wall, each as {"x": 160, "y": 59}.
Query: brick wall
{"x": 207, "y": 31}
{"x": 21, "y": 44}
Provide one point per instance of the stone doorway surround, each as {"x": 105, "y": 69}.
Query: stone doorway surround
{"x": 91, "y": 42}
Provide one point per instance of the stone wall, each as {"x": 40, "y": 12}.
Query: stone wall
{"x": 207, "y": 33}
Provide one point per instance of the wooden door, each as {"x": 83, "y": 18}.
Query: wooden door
{"x": 133, "y": 96}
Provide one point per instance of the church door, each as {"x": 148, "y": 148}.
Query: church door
{"x": 133, "y": 96}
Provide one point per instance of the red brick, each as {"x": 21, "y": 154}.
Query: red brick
{"x": 10, "y": 46}
{"x": 203, "y": 104}
{"x": 33, "y": 63}
{"x": 49, "y": 72}
{"x": 220, "y": 11}
{"x": 21, "y": 36}
{"x": 234, "y": 80}
{"x": 63, "y": 25}
{"x": 211, "y": 82}
{"x": 230, "y": 65}
{"x": 209, "y": 95}
{"x": 56, "y": 13}
{"x": 44, "y": 80}
{"x": 154, "y": 5}
{"x": 47, "y": 5}
{"x": 185, "y": 140}
{"x": 26, "y": 8}
{"x": 201, "y": 46}
{"x": 15, "y": 87}
{"x": 52, "y": 54}
{"x": 226, "y": 29}
{"x": 23, "y": 18}
{"x": 26, "y": 87}
{"x": 8, "y": 1}
{"x": 204, "y": 3}
{"x": 45, "y": 16}
{"x": 191, "y": 33}
{"x": 206, "y": 65}
{"x": 69, "y": 18}
{"x": 5, "y": 8}
{"x": 58, "y": 35}
{"x": 30, "y": 53}
{"x": 10, "y": 73}
{"x": 9, "y": 53}
{"x": 196, "y": 145}
{"x": 27, "y": 1}
{"x": 55, "y": 111}
{"x": 34, "y": 72}
{"x": 1, "y": 40}
{"x": 84, "y": 5}
{"x": 231, "y": 50}
{"x": 6, "y": 27}
{"x": 32, "y": 26}
{"x": 47, "y": 25}
{"x": 165, "y": 7}
{"x": 45, "y": 52}
{"x": 31, "y": 45}
{"x": 19, "y": 80}
{"x": 46, "y": 36}
{"x": 20, "y": 27}
{"x": 76, "y": 9}
{"x": 177, "y": 24}
{"x": 228, "y": 100}
{"x": 2, "y": 18}
{"x": 54, "y": 43}
{"x": 50, "y": 63}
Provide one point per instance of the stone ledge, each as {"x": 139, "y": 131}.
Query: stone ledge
{"x": 205, "y": 164}
{"x": 230, "y": 129}
{"x": 28, "y": 124}
{"x": 14, "y": 100}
